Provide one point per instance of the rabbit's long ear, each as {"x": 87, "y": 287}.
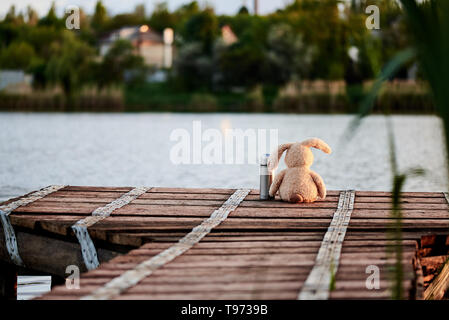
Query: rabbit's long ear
{"x": 273, "y": 160}
{"x": 318, "y": 144}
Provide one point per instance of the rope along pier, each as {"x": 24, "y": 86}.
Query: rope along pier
{"x": 319, "y": 280}
{"x": 5, "y": 211}
{"x": 131, "y": 277}
{"x": 80, "y": 228}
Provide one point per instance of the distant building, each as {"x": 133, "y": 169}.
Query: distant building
{"x": 15, "y": 81}
{"x": 228, "y": 35}
{"x": 156, "y": 49}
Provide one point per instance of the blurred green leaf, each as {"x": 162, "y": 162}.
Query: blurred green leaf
{"x": 367, "y": 104}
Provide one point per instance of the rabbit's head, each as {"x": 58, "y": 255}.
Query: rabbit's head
{"x": 298, "y": 153}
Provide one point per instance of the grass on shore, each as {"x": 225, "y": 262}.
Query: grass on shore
{"x": 304, "y": 97}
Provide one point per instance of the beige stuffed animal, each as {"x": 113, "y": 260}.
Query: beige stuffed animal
{"x": 298, "y": 183}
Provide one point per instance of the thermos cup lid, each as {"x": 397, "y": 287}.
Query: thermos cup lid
{"x": 264, "y": 159}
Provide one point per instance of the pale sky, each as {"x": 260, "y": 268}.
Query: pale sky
{"x": 119, "y": 6}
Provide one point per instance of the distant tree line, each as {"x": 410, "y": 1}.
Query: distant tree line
{"x": 307, "y": 39}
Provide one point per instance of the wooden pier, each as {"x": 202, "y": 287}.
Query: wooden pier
{"x": 174, "y": 243}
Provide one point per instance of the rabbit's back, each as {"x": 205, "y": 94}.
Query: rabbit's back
{"x": 298, "y": 181}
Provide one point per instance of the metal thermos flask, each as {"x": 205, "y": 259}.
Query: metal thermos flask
{"x": 266, "y": 178}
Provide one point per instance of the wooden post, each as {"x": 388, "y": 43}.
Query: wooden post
{"x": 8, "y": 282}
{"x": 439, "y": 286}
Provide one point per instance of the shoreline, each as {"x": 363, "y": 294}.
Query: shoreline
{"x": 243, "y": 112}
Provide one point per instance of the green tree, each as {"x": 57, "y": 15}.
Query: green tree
{"x": 185, "y": 12}
{"x": 8, "y": 34}
{"x": 139, "y": 11}
{"x": 11, "y": 15}
{"x": 288, "y": 56}
{"x": 32, "y": 16}
{"x": 242, "y": 64}
{"x": 321, "y": 26}
{"x": 99, "y": 18}
{"x": 119, "y": 61}
{"x": 41, "y": 39}
{"x": 123, "y": 20}
{"x": 192, "y": 68}
{"x": 202, "y": 27}
{"x": 243, "y": 10}
{"x": 14, "y": 18}
{"x": 69, "y": 64}
{"x": 51, "y": 19}
{"x": 161, "y": 18}
{"x": 18, "y": 55}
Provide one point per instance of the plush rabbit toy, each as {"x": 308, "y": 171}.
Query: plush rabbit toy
{"x": 298, "y": 183}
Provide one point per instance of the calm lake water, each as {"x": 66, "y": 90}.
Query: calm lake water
{"x": 37, "y": 150}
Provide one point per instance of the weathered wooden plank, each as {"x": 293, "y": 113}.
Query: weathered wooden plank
{"x": 136, "y": 239}
{"x": 360, "y": 194}
{"x": 406, "y": 214}
{"x": 347, "y": 271}
{"x": 144, "y": 287}
{"x": 224, "y": 278}
{"x": 98, "y": 195}
{"x": 421, "y": 200}
{"x": 179, "y": 202}
{"x": 282, "y": 204}
{"x": 153, "y": 190}
{"x": 186, "y": 196}
{"x": 202, "y": 210}
{"x": 212, "y": 288}
{"x": 368, "y": 199}
{"x": 325, "y": 213}
{"x": 156, "y": 210}
{"x": 147, "y": 222}
{"x": 306, "y": 259}
{"x": 50, "y": 200}
{"x": 380, "y": 234}
{"x": 287, "y": 244}
{"x": 269, "y": 236}
{"x": 270, "y": 250}
{"x": 197, "y": 273}
{"x": 165, "y": 211}
{"x": 403, "y": 194}
{"x": 88, "y": 194}
{"x": 60, "y": 209}
{"x": 193, "y": 190}
{"x": 148, "y": 202}
{"x": 98, "y": 188}
{"x": 227, "y": 295}
{"x": 404, "y": 206}
{"x": 218, "y": 288}
{"x": 208, "y": 276}
{"x": 405, "y": 224}
{"x": 242, "y": 223}
{"x": 357, "y": 205}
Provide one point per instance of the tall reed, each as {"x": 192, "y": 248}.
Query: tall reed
{"x": 428, "y": 22}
